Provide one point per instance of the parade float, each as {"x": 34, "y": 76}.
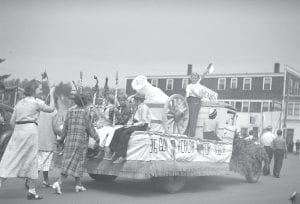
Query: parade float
{"x": 167, "y": 156}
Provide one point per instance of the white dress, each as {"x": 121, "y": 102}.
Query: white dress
{"x": 20, "y": 157}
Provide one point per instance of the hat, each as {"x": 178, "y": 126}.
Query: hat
{"x": 139, "y": 96}
{"x": 212, "y": 113}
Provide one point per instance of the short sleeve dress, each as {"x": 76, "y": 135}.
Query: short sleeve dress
{"x": 20, "y": 157}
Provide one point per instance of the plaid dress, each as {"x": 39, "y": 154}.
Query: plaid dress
{"x": 76, "y": 131}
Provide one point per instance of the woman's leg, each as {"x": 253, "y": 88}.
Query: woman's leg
{"x": 78, "y": 185}
{"x": 58, "y": 183}
{"x": 32, "y": 195}
{"x": 62, "y": 179}
{"x": 2, "y": 181}
{"x": 46, "y": 177}
{"x": 78, "y": 181}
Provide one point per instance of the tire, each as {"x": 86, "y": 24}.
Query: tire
{"x": 170, "y": 184}
{"x": 254, "y": 174}
{"x": 103, "y": 178}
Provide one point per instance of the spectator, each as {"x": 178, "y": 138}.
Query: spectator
{"x": 280, "y": 151}
{"x": 297, "y": 144}
{"x": 267, "y": 140}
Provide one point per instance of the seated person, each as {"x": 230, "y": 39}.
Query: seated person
{"x": 141, "y": 119}
{"x": 210, "y": 126}
{"x": 122, "y": 114}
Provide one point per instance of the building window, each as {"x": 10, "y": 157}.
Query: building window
{"x": 267, "y": 85}
{"x": 290, "y": 109}
{"x": 154, "y": 82}
{"x": 296, "y": 88}
{"x": 296, "y": 109}
{"x": 255, "y": 107}
{"x": 233, "y": 83}
{"x": 290, "y": 88}
{"x": 245, "y": 106}
{"x": 221, "y": 83}
{"x": 169, "y": 85}
{"x": 238, "y": 106}
{"x": 244, "y": 132}
{"x": 247, "y": 83}
{"x": 232, "y": 103}
{"x": 184, "y": 83}
{"x": 265, "y": 106}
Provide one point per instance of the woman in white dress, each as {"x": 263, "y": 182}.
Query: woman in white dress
{"x": 20, "y": 158}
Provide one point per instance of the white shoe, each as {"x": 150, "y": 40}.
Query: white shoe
{"x": 79, "y": 189}
{"x": 57, "y": 188}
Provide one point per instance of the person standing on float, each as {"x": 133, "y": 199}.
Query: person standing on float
{"x": 194, "y": 94}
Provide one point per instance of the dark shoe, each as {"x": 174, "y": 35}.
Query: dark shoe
{"x": 26, "y": 184}
{"x": 31, "y": 196}
{"x": 276, "y": 176}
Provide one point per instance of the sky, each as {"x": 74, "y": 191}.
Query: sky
{"x": 145, "y": 37}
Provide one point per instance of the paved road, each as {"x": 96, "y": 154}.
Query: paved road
{"x": 231, "y": 189}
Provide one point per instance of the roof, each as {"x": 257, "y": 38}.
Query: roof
{"x": 262, "y": 74}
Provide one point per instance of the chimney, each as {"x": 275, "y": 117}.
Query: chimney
{"x": 276, "y": 67}
{"x": 189, "y": 69}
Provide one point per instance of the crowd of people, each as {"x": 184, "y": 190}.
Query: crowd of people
{"x": 274, "y": 146}
{"x": 37, "y": 134}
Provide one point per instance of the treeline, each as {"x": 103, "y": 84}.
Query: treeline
{"x": 62, "y": 88}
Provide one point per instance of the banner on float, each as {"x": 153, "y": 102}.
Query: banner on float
{"x": 151, "y": 147}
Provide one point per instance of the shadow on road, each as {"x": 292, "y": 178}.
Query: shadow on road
{"x": 146, "y": 187}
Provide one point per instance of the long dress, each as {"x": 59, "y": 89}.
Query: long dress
{"x": 20, "y": 156}
{"x": 76, "y": 131}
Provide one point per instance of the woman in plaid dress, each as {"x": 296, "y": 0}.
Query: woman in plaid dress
{"x": 76, "y": 131}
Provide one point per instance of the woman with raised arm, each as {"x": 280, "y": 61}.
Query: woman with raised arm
{"x": 20, "y": 158}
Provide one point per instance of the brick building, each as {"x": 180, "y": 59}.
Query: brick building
{"x": 256, "y": 96}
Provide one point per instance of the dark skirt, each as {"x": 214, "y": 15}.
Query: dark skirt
{"x": 119, "y": 142}
{"x": 210, "y": 136}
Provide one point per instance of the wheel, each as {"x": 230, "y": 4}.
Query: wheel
{"x": 103, "y": 178}
{"x": 169, "y": 184}
{"x": 175, "y": 115}
{"x": 254, "y": 173}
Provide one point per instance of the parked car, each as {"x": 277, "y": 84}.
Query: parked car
{"x": 5, "y": 127}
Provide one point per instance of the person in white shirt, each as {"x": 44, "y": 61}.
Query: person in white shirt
{"x": 211, "y": 126}
{"x": 194, "y": 94}
{"x": 141, "y": 119}
{"x": 266, "y": 140}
